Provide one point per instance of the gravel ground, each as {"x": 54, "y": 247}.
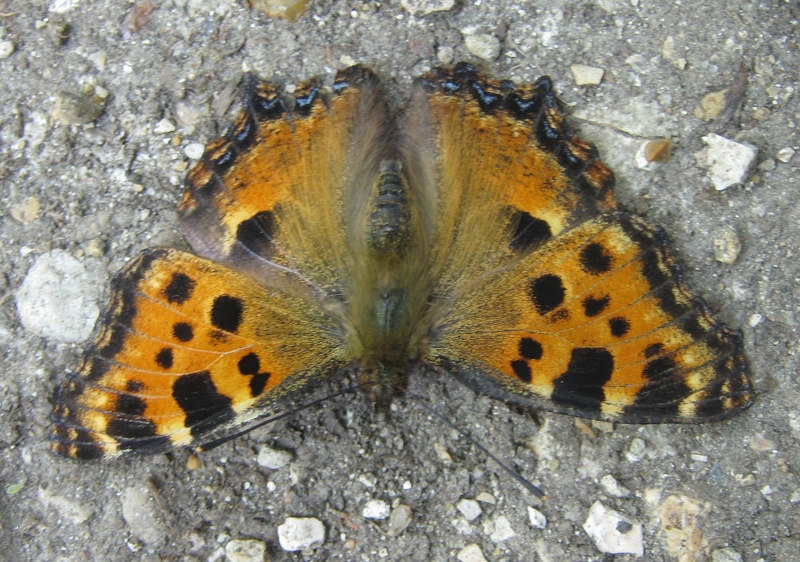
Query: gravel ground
{"x": 104, "y": 190}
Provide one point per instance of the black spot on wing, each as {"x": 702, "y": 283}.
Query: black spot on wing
{"x": 547, "y": 293}
{"x": 183, "y": 331}
{"x": 226, "y": 313}
{"x": 595, "y": 259}
{"x": 250, "y": 365}
{"x": 619, "y": 326}
{"x": 127, "y": 422}
{"x": 257, "y": 232}
{"x": 529, "y": 232}
{"x": 582, "y": 384}
{"x": 204, "y": 406}
{"x": 522, "y": 370}
{"x": 258, "y": 383}
{"x": 593, "y": 306}
{"x": 180, "y": 288}
{"x": 530, "y": 348}
{"x": 130, "y": 428}
{"x": 130, "y": 404}
{"x": 164, "y": 358}
{"x": 653, "y": 349}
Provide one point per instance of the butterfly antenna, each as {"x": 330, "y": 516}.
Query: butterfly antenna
{"x": 536, "y": 491}
{"x": 214, "y": 443}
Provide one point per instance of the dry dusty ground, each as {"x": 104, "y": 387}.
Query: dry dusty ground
{"x": 732, "y": 487}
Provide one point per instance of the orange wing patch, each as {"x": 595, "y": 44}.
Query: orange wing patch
{"x": 188, "y": 348}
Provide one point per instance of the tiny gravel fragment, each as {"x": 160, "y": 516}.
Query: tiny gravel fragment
{"x": 503, "y": 530}
{"x": 483, "y": 45}
{"x": 194, "y": 150}
{"x": 785, "y": 154}
{"x": 376, "y": 509}
{"x": 7, "y": 48}
{"x": 301, "y": 533}
{"x": 426, "y": 7}
{"x": 728, "y": 162}
{"x": 78, "y": 109}
{"x": 273, "y": 458}
{"x": 245, "y": 550}
{"x": 726, "y": 245}
{"x": 470, "y": 509}
{"x": 726, "y": 555}
{"x": 612, "y": 533}
{"x": 636, "y": 450}
{"x": 471, "y": 553}
{"x": 537, "y": 518}
{"x": 142, "y": 511}
{"x": 164, "y": 126}
{"x": 399, "y": 520}
{"x": 613, "y": 488}
{"x": 486, "y": 497}
{"x": 70, "y": 510}
{"x": 586, "y": 75}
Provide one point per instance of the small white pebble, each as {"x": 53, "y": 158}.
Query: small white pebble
{"x": 58, "y": 298}
{"x": 486, "y": 497}
{"x": 194, "y": 150}
{"x": 376, "y": 509}
{"x": 245, "y": 550}
{"x": 164, "y": 126}
{"x": 537, "y": 518}
{"x": 726, "y": 555}
{"x": 612, "y": 533}
{"x": 470, "y": 509}
{"x": 613, "y": 488}
{"x": 301, "y": 533}
{"x": 503, "y": 530}
{"x": 586, "y": 75}
{"x": 367, "y": 480}
{"x": 471, "y": 553}
{"x": 7, "y": 48}
{"x": 755, "y": 320}
{"x": 273, "y": 458}
{"x": 399, "y": 520}
{"x": 728, "y": 162}
{"x": 483, "y": 45}
{"x": 785, "y": 154}
{"x": 727, "y": 245}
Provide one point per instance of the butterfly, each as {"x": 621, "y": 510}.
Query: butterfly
{"x": 475, "y": 236}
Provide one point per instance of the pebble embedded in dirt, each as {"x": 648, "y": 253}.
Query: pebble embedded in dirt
{"x": 245, "y": 550}
{"x": 470, "y": 509}
{"x": 613, "y": 533}
{"x": 57, "y": 298}
{"x": 728, "y": 162}
{"x": 301, "y": 533}
{"x": 376, "y": 509}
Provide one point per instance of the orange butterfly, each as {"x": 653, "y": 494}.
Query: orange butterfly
{"x": 477, "y": 236}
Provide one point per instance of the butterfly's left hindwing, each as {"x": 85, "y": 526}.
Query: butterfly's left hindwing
{"x": 189, "y": 349}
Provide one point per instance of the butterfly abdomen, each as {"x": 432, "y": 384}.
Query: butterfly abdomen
{"x": 389, "y": 222}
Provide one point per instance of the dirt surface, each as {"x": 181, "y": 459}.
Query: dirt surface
{"x": 109, "y": 188}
